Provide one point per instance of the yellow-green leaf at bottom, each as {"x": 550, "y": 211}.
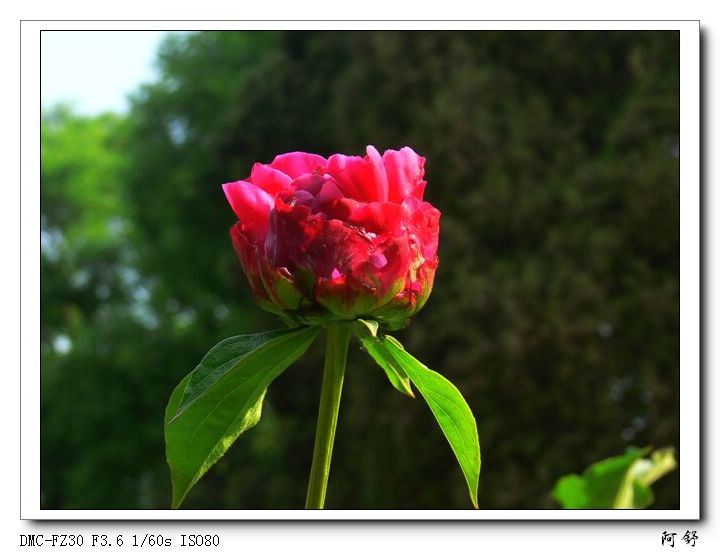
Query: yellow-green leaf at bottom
{"x": 621, "y": 482}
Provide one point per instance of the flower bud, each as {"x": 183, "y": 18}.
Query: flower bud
{"x": 339, "y": 239}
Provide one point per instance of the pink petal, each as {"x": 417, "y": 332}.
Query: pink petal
{"x": 405, "y": 170}
{"x": 341, "y": 167}
{"x": 295, "y": 164}
{"x": 379, "y": 173}
{"x": 360, "y": 178}
{"x": 271, "y": 180}
{"x": 252, "y": 206}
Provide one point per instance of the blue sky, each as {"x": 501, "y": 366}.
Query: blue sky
{"x": 94, "y": 71}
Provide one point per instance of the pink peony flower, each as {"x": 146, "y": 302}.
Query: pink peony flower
{"x": 344, "y": 238}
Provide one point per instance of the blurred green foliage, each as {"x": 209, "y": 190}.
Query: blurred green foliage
{"x": 621, "y": 482}
{"x": 554, "y": 159}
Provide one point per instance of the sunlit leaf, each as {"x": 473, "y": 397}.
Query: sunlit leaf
{"x": 445, "y": 401}
{"x": 222, "y": 398}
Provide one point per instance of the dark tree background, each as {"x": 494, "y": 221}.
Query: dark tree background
{"x": 553, "y": 157}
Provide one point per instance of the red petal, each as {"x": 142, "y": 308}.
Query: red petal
{"x": 249, "y": 254}
{"x": 379, "y": 217}
{"x": 388, "y": 279}
{"x": 424, "y": 222}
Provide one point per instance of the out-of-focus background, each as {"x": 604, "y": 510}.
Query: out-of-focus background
{"x": 553, "y": 157}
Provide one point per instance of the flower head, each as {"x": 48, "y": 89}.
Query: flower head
{"x": 343, "y": 238}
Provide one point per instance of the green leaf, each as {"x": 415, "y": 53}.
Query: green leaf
{"x": 571, "y": 491}
{"x": 222, "y": 398}
{"x": 366, "y": 331}
{"x": 449, "y": 408}
{"x": 621, "y": 482}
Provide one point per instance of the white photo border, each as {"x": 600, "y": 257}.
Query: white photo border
{"x": 690, "y": 272}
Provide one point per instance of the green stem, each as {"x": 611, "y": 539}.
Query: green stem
{"x": 338, "y": 339}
